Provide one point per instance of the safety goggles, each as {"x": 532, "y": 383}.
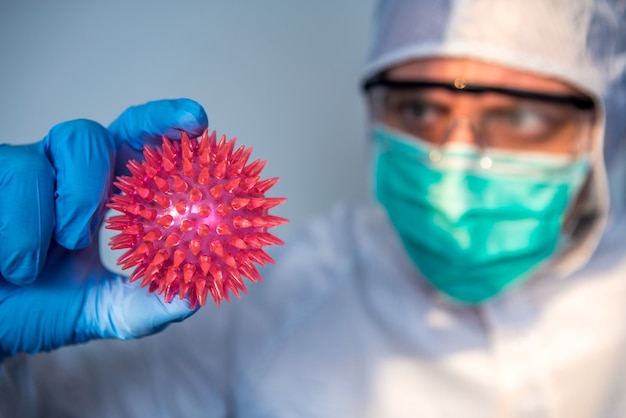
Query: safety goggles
{"x": 496, "y": 117}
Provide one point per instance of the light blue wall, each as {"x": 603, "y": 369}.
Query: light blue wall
{"x": 280, "y": 75}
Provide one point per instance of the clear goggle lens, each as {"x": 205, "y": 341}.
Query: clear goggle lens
{"x": 493, "y": 118}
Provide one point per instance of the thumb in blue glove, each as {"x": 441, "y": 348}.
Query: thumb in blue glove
{"x": 54, "y": 289}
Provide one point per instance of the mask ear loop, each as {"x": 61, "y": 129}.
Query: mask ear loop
{"x": 485, "y": 160}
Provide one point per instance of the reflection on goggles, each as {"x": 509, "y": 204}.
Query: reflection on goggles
{"x": 497, "y": 117}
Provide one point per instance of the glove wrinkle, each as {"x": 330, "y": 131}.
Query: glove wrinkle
{"x": 77, "y": 148}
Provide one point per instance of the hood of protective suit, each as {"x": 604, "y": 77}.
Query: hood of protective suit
{"x": 581, "y": 42}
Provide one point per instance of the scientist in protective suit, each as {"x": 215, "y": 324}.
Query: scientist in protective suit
{"x": 485, "y": 278}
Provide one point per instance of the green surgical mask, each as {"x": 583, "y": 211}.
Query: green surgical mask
{"x": 473, "y": 232}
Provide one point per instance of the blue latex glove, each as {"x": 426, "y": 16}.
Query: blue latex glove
{"x": 54, "y": 290}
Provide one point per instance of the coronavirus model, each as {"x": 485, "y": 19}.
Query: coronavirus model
{"x": 194, "y": 218}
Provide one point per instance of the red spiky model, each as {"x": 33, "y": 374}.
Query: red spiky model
{"x": 195, "y": 218}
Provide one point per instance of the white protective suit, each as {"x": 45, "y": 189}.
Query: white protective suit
{"x": 343, "y": 325}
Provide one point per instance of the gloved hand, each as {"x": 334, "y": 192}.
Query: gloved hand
{"x": 54, "y": 289}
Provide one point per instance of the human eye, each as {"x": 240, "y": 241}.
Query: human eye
{"x": 523, "y": 123}
{"x": 416, "y": 116}
{"x": 417, "y": 112}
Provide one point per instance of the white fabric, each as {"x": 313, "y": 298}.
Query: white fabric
{"x": 344, "y": 327}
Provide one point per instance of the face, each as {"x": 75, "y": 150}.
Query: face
{"x": 492, "y": 106}
{"x": 476, "y": 219}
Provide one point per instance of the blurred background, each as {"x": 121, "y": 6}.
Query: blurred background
{"x": 281, "y": 76}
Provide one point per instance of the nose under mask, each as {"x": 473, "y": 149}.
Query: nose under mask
{"x": 473, "y": 232}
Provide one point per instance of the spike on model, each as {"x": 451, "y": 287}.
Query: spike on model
{"x": 195, "y": 218}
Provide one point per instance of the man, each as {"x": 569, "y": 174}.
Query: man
{"x": 484, "y": 281}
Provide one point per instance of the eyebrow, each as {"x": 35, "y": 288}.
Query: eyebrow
{"x": 580, "y": 102}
